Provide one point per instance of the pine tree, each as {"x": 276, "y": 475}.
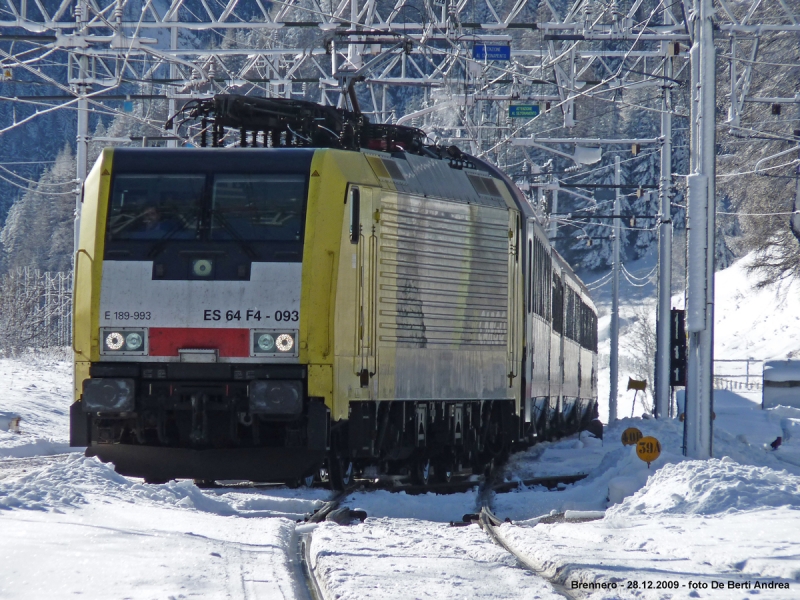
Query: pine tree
{"x": 39, "y": 229}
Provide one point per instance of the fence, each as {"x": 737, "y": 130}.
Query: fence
{"x": 738, "y": 374}
{"x": 35, "y": 310}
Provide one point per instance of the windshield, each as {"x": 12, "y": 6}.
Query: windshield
{"x": 258, "y": 207}
{"x": 155, "y": 207}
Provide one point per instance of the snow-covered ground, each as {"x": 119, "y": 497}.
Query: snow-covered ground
{"x": 409, "y": 559}
{"x": 37, "y": 388}
{"x": 71, "y": 526}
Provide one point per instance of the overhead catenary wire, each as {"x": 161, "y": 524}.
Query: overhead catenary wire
{"x": 646, "y": 277}
{"x": 634, "y": 283}
{"x": 600, "y": 282}
{"x": 373, "y": 28}
{"x": 757, "y": 172}
{"x": 456, "y": 54}
{"x": 38, "y": 191}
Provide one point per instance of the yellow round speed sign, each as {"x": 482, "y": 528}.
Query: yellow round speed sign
{"x": 630, "y": 436}
{"x": 648, "y": 449}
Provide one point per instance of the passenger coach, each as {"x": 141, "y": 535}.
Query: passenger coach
{"x": 259, "y": 313}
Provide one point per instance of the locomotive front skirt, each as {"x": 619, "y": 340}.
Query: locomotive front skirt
{"x": 262, "y": 313}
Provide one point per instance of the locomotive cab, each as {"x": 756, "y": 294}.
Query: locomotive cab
{"x": 187, "y": 316}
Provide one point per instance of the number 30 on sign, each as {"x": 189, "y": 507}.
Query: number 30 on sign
{"x": 648, "y": 449}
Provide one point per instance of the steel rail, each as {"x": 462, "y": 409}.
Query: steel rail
{"x": 315, "y": 589}
{"x": 310, "y": 577}
{"x": 488, "y": 522}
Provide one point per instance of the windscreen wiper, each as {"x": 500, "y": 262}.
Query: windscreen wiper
{"x": 216, "y": 213}
{"x": 161, "y": 244}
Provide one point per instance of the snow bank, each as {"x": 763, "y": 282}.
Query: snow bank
{"x": 614, "y": 471}
{"x": 15, "y": 445}
{"x": 711, "y": 487}
{"x": 742, "y": 431}
{"x": 79, "y": 481}
{"x": 70, "y": 483}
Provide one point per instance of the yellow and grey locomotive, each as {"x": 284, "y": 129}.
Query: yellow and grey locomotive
{"x": 329, "y": 292}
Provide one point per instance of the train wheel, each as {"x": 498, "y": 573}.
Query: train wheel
{"x": 422, "y": 471}
{"x": 444, "y": 470}
{"x": 341, "y": 475}
{"x": 324, "y": 477}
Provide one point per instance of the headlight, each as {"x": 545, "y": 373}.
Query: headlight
{"x": 275, "y": 343}
{"x": 115, "y": 341}
{"x": 123, "y": 341}
{"x": 285, "y": 342}
{"x": 202, "y": 267}
{"x": 266, "y": 343}
{"x": 276, "y": 398}
{"x": 133, "y": 341}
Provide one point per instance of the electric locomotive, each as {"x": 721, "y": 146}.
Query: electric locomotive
{"x": 327, "y": 293}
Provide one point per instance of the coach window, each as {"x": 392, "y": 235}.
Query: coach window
{"x": 546, "y": 298}
{"x": 558, "y": 304}
{"x": 530, "y": 276}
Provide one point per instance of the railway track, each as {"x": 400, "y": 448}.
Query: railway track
{"x": 304, "y": 535}
{"x": 331, "y": 510}
{"x": 489, "y": 523}
{"x": 487, "y": 520}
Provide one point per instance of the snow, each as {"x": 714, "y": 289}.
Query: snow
{"x": 782, "y": 370}
{"x": 37, "y": 388}
{"x": 742, "y": 547}
{"x": 753, "y": 323}
{"x": 710, "y": 487}
{"x": 742, "y": 431}
{"x": 693, "y": 520}
{"x": 785, "y": 376}
{"x": 114, "y": 549}
{"x": 409, "y": 559}
{"x": 430, "y": 507}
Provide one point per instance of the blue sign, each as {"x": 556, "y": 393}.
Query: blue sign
{"x": 486, "y": 52}
{"x": 523, "y": 111}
